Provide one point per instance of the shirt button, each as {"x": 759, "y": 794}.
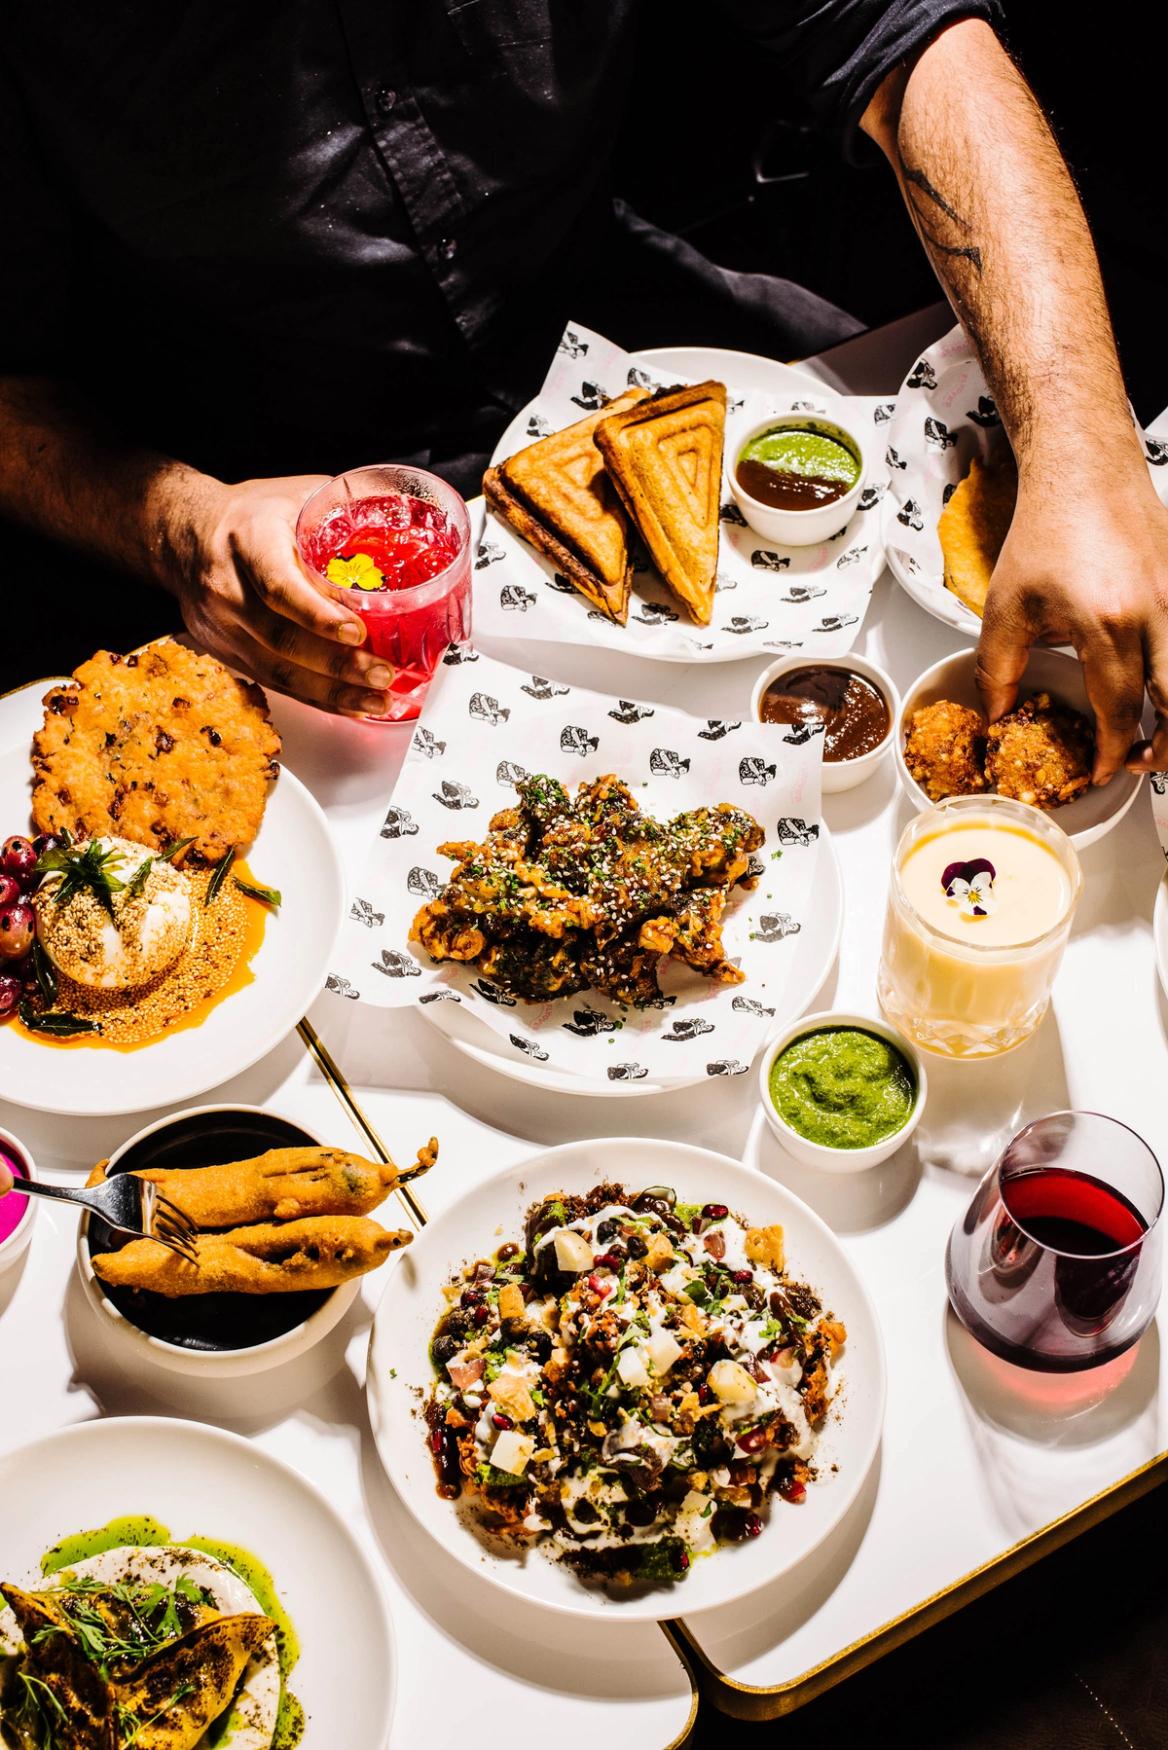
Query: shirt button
{"x": 386, "y": 100}
{"x": 448, "y": 248}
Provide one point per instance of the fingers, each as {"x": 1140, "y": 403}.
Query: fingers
{"x": 268, "y": 561}
{"x": 301, "y": 649}
{"x": 1113, "y": 670}
{"x": 1002, "y": 652}
{"x": 327, "y": 692}
{"x": 1152, "y": 756}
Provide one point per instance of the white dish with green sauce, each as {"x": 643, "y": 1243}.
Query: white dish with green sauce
{"x": 796, "y": 477}
{"x": 842, "y": 1092}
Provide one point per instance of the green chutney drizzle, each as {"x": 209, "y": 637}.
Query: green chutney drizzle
{"x": 842, "y": 1087}
{"x": 141, "y": 1531}
{"x": 800, "y": 450}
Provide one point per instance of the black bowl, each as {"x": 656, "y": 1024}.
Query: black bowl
{"x": 210, "y": 1322}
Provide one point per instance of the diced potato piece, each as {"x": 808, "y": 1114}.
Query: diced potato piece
{"x": 511, "y": 1302}
{"x": 631, "y": 1367}
{"x": 764, "y": 1245}
{"x": 731, "y": 1383}
{"x": 513, "y": 1397}
{"x": 663, "y": 1350}
{"x": 692, "y": 1319}
{"x": 573, "y": 1253}
{"x": 512, "y": 1451}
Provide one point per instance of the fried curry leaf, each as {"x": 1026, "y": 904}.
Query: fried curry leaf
{"x": 267, "y": 895}
{"x": 172, "y": 849}
{"x": 55, "y": 1023}
{"x": 46, "y": 975}
{"x": 91, "y": 869}
{"x": 222, "y": 869}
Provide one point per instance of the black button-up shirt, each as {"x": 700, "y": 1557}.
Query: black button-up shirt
{"x": 277, "y": 238}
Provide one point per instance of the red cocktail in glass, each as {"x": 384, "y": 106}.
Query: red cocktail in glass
{"x": 393, "y": 544}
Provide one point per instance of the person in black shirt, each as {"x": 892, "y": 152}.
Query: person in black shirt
{"x": 248, "y": 242}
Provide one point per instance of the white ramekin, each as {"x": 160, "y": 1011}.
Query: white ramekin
{"x": 796, "y": 528}
{"x": 838, "y": 774}
{"x": 14, "y": 1247}
{"x": 818, "y": 1154}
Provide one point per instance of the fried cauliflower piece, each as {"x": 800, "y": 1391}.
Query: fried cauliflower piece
{"x": 1041, "y": 753}
{"x": 944, "y": 750}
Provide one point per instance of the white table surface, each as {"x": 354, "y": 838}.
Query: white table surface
{"x": 975, "y": 1456}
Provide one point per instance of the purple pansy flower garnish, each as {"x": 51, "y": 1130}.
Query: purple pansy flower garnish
{"x": 971, "y": 885}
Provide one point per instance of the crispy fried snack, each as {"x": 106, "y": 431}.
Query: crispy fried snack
{"x": 1042, "y": 753}
{"x": 322, "y": 1251}
{"x": 180, "y": 1689}
{"x": 158, "y": 746}
{"x": 281, "y": 1185}
{"x": 944, "y": 749}
{"x": 563, "y": 896}
{"x": 973, "y": 527}
{"x": 665, "y": 459}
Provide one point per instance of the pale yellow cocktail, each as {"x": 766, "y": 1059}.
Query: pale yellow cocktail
{"x": 979, "y": 910}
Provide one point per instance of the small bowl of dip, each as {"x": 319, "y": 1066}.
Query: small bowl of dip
{"x": 16, "y": 1210}
{"x": 842, "y": 1092}
{"x": 796, "y": 477}
{"x": 854, "y": 699}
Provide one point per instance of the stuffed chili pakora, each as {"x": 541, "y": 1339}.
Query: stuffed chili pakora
{"x": 564, "y": 896}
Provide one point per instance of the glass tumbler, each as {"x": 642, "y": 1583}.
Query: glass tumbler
{"x": 393, "y": 544}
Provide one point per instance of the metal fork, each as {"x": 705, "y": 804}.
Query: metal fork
{"x": 129, "y": 1206}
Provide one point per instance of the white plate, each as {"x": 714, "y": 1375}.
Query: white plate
{"x": 785, "y": 596}
{"x": 201, "y": 1481}
{"x": 294, "y": 851}
{"x": 478, "y": 1222}
{"x": 1090, "y": 815}
{"x": 817, "y": 947}
{"x": 944, "y": 416}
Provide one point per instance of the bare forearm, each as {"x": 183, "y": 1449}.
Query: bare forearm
{"x": 74, "y": 483}
{"x": 997, "y": 212}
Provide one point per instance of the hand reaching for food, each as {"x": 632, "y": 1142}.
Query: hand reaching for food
{"x": 1092, "y": 573}
{"x": 246, "y": 599}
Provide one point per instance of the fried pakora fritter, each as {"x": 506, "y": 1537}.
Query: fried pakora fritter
{"x": 564, "y": 896}
{"x": 158, "y": 746}
{"x": 1042, "y": 753}
{"x": 945, "y": 749}
{"x": 973, "y": 526}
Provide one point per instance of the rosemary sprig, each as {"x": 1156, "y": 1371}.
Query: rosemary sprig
{"x": 222, "y": 868}
{"x": 268, "y": 895}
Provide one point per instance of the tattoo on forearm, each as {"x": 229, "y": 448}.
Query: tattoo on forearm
{"x": 916, "y": 179}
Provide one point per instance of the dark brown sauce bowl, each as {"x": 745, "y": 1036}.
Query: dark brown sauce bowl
{"x": 223, "y": 1334}
{"x": 837, "y": 774}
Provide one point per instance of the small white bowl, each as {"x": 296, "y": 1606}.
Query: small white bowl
{"x": 837, "y": 774}
{"x": 1056, "y": 672}
{"x": 796, "y": 528}
{"x": 14, "y": 1246}
{"x": 137, "y": 1344}
{"x": 818, "y": 1154}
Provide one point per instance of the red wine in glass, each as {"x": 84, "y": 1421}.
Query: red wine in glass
{"x": 1056, "y": 1267}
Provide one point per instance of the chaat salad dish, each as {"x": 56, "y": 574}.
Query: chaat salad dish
{"x": 630, "y": 1387}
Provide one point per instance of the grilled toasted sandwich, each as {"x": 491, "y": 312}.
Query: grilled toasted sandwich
{"x": 664, "y": 456}
{"x": 556, "y": 494}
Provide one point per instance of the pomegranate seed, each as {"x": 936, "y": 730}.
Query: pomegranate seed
{"x": 436, "y": 1441}
{"x": 704, "y": 1394}
{"x": 501, "y": 1421}
{"x": 793, "y": 1492}
{"x": 742, "y": 1276}
{"x": 754, "y": 1441}
{"x": 607, "y": 1261}
{"x": 714, "y": 1212}
{"x": 683, "y": 1559}
{"x": 481, "y": 1314}
{"x": 753, "y": 1525}
{"x": 470, "y": 1297}
{"x": 601, "y": 1285}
